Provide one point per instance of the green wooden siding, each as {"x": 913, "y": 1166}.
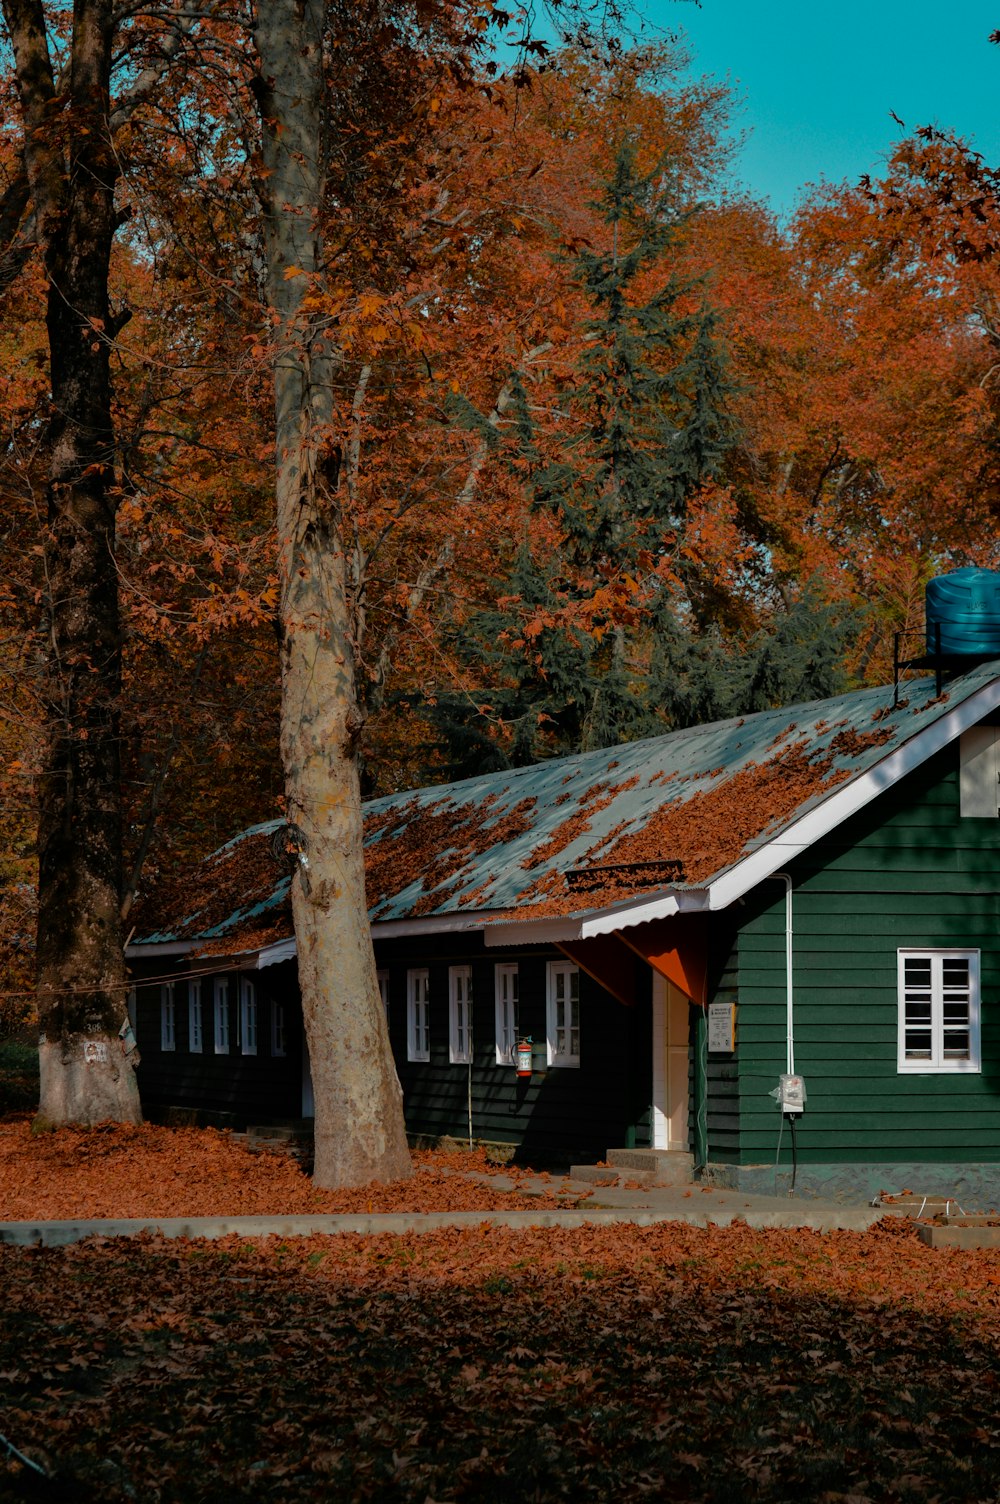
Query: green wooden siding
{"x": 908, "y": 871}
{"x": 722, "y": 1106}
{"x": 233, "y": 1088}
{"x": 561, "y": 1111}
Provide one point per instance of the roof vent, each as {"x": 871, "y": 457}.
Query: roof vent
{"x": 963, "y": 614}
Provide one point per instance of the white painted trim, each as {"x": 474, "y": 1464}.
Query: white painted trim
{"x": 279, "y": 1029}
{"x": 850, "y": 797}
{"x": 457, "y": 975}
{"x": 220, "y": 1016}
{"x": 530, "y": 932}
{"x": 937, "y": 1065}
{"x": 168, "y": 1017}
{"x": 508, "y": 970}
{"x": 566, "y": 1059}
{"x": 661, "y": 1123}
{"x": 249, "y": 1014}
{"x": 660, "y": 906}
{"x": 196, "y": 1017}
{"x": 417, "y": 1001}
{"x": 139, "y": 952}
{"x": 281, "y": 950}
{"x": 442, "y": 924}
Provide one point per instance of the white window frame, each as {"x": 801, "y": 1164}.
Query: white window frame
{"x": 248, "y": 1016}
{"x": 505, "y": 986}
{"x": 383, "y": 990}
{"x": 279, "y": 1041}
{"x": 460, "y": 1044}
{"x": 168, "y": 1017}
{"x": 418, "y": 1014}
{"x": 196, "y": 1022}
{"x": 220, "y": 1014}
{"x": 939, "y": 1064}
{"x": 568, "y": 974}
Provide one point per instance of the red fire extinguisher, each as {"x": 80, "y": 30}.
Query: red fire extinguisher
{"x": 523, "y": 1057}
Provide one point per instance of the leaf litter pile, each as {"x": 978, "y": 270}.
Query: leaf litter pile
{"x": 492, "y": 1364}
{"x": 121, "y": 1171}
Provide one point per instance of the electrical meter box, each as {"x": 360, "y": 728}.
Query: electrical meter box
{"x": 791, "y": 1094}
{"x": 722, "y": 1028}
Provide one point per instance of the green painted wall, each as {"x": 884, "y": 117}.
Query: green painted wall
{"x": 560, "y": 1113}
{"x": 908, "y": 871}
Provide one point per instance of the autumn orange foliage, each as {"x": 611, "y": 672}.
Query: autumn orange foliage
{"x": 119, "y": 1171}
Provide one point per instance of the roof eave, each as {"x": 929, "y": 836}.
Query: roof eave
{"x": 846, "y": 800}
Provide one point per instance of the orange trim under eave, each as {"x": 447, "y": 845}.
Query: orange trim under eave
{"x": 677, "y": 948}
{"x": 606, "y": 960}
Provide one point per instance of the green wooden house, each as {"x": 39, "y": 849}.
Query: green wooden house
{"x": 677, "y": 924}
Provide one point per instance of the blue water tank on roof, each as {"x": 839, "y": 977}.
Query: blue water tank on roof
{"x": 965, "y": 605}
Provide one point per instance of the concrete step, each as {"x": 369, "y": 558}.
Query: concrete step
{"x": 281, "y": 1138}
{"x": 282, "y": 1133}
{"x": 609, "y": 1175}
{"x": 666, "y": 1166}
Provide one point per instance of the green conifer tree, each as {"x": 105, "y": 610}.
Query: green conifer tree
{"x": 650, "y": 424}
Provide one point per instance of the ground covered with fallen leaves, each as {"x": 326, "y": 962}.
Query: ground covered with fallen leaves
{"x": 120, "y": 1171}
{"x": 492, "y": 1364}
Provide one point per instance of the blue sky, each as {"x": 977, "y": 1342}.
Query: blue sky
{"x": 818, "y": 82}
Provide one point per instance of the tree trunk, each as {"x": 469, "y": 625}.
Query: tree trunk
{"x": 85, "y": 1075}
{"x": 360, "y": 1134}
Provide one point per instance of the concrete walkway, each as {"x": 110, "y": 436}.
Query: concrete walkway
{"x": 644, "y": 1207}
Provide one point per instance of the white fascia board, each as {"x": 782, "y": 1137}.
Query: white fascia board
{"x": 240, "y": 960}
{"x": 532, "y": 932}
{"x": 599, "y": 922}
{"x": 851, "y": 797}
{"x": 237, "y": 960}
{"x": 157, "y": 948}
{"x": 281, "y": 950}
{"x": 664, "y": 906}
{"x": 431, "y": 924}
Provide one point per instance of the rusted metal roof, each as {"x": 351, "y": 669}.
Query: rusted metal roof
{"x": 584, "y": 833}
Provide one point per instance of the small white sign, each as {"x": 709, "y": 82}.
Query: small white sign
{"x": 95, "y": 1051}
{"x": 722, "y": 1028}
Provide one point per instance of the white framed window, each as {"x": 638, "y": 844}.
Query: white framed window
{"x": 563, "y": 1014}
{"x": 278, "y": 1037}
{"x": 168, "y": 1017}
{"x": 460, "y": 1014}
{"x": 938, "y": 1010}
{"x": 383, "y": 991}
{"x": 220, "y": 1012}
{"x": 505, "y": 987}
{"x": 196, "y": 1031}
{"x": 248, "y": 1016}
{"x": 418, "y": 1034}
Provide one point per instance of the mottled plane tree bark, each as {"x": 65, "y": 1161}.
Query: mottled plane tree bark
{"x": 360, "y": 1134}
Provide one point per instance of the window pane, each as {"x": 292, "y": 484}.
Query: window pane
{"x": 917, "y": 971}
{"x": 955, "y": 971}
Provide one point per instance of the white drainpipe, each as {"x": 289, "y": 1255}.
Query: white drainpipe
{"x": 789, "y": 1005}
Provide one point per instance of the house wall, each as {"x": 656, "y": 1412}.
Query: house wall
{"x": 231, "y": 1089}
{"x": 909, "y": 871}
{"x": 581, "y": 1111}
{"x": 721, "y": 1109}
{"x": 561, "y": 1112}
